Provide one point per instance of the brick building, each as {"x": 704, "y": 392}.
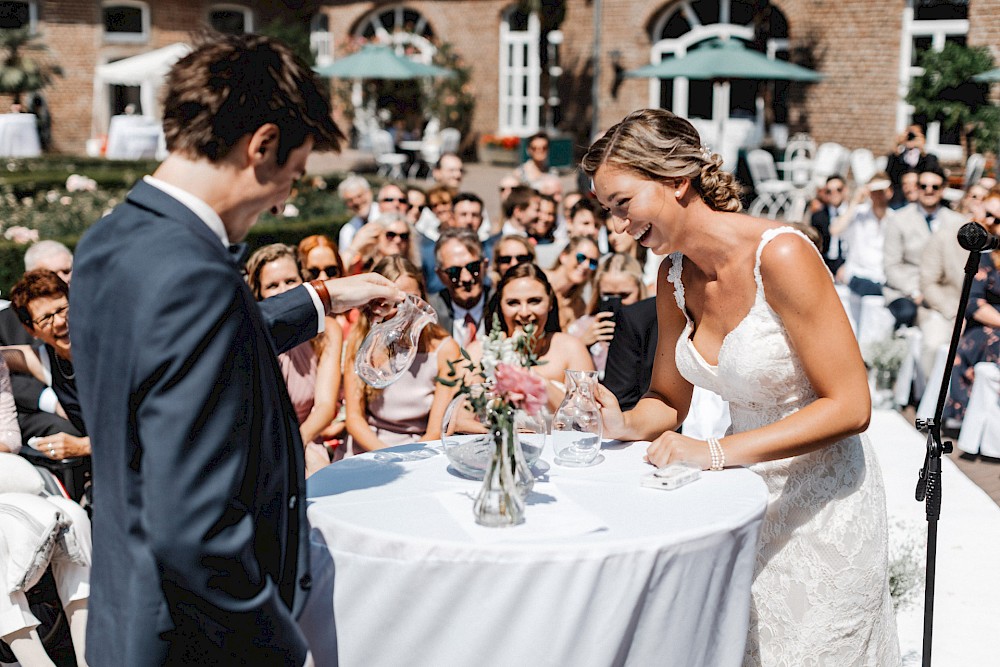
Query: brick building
{"x": 864, "y": 50}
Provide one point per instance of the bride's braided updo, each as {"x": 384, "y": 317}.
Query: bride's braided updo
{"x": 658, "y": 145}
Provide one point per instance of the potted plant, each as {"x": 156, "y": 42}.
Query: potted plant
{"x": 500, "y": 150}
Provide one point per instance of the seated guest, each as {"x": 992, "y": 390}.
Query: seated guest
{"x": 411, "y": 408}
{"x": 505, "y": 186}
{"x": 981, "y": 337}
{"x": 38, "y": 409}
{"x": 357, "y": 195}
{"x": 586, "y": 218}
{"x": 510, "y": 251}
{"x": 417, "y": 199}
{"x": 436, "y": 217}
{"x": 520, "y": 209}
{"x": 449, "y": 171}
{"x": 41, "y": 301}
{"x": 618, "y": 282}
{"x": 571, "y": 275}
{"x": 831, "y": 205}
{"x": 390, "y": 234}
{"x": 909, "y": 182}
{"x": 392, "y": 198}
{"x": 907, "y": 232}
{"x": 524, "y": 297}
{"x": 542, "y": 232}
{"x": 469, "y": 212}
{"x": 629, "y": 366}
{"x": 461, "y": 267}
{"x": 971, "y": 205}
{"x": 862, "y": 229}
{"x": 311, "y": 370}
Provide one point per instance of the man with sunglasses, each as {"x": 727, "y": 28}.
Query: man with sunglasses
{"x": 461, "y": 305}
{"x": 833, "y": 203}
{"x": 907, "y": 233}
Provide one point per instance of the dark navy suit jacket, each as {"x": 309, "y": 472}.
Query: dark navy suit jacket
{"x": 201, "y": 540}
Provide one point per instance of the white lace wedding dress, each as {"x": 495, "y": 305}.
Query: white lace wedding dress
{"x": 820, "y": 590}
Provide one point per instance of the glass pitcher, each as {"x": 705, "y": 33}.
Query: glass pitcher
{"x": 577, "y": 427}
{"x": 390, "y": 346}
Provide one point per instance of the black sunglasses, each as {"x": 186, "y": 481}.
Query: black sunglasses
{"x": 454, "y": 273}
{"x": 581, "y": 258}
{"x": 331, "y": 271}
{"x": 398, "y": 200}
{"x": 402, "y": 236}
{"x": 508, "y": 259}
{"x": 928, "y": 186}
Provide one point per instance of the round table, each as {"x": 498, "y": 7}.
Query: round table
{"x": 19, "y": 135}
{"x": 602, "y": 572}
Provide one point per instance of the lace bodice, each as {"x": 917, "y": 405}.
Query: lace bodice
{"x": 820, "y": 592}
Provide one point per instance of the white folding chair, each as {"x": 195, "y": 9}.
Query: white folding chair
{"x": 389, "y": 162}
{"x": 831, "y": 159}
{"x": 862, "y": 165}
{"x": 776, "y": 199}
{"x": 798, "y": 158}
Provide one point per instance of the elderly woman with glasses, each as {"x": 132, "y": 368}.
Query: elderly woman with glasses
{"x": 570, "y": 276}
{"x": 311, "y": 370}
{"x": 40, "y": 300}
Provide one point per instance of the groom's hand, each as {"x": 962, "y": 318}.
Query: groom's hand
{"x": 355, "y": 291}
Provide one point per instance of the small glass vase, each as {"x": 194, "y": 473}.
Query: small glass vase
{"x": 500, "y": 502}
{"x": 391, "y": 345}
{"x": 577, "y": 427}
{"x": 883, "y": 388}
{"x": 467, "y": 440}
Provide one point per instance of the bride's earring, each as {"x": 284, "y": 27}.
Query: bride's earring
{"x": 677, "y": 194}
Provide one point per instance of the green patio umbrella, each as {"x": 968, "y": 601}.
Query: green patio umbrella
{"x": 991, "y": 76}
{"x": 725, "y": 59}
{"x": 376, "y": 61}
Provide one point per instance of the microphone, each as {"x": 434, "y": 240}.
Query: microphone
{"x": 974, "y": 238}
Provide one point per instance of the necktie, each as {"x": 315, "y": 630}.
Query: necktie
{"x": 470, "y": 328}
{"x": 930, "y": 220}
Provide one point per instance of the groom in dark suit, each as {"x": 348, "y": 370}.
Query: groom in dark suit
{"x": 201, "y": 541}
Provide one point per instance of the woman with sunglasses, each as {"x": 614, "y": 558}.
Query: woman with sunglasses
{"x": 389, "y": 234}
{"x": 410, "y": 409}
{"x": 618, "y": 282}
{"x": 980, "y": 339}
{"x": 311, "y": 370}
{"x": 570, "y": 276}
{"x": 524, "y": 296}
{"x": 509, "y": 251}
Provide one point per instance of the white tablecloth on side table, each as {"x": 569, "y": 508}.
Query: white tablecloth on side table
{"x": 603, "y": 572}
{"x": 19, "y": 135}
{"x": 133, "y": 137}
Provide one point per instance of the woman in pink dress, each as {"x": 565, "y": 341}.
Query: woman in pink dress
{"x": 312, "y": 369}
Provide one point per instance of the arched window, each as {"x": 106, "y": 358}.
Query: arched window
{"x": 230, "y": 19}
{"x": 17, "y": 14}
{"x": 686, "y": 25}
{"x": 520, "y": 72}
{"x": 928, "y": 25}
{"x": 405, "y": 28}
{"x": 125, "y": 21}
{"x": 320, "y": 39}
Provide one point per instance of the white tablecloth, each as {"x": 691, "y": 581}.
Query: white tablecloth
{"x": 19, "y": 135}
{"x": 399, "y": 579}
{"x": 133, "y": 138}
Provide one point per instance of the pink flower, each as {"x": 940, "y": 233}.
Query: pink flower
{"x": 522, "y": 388}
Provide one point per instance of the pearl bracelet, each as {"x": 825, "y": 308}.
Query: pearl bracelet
{"x": 717, "y": 454}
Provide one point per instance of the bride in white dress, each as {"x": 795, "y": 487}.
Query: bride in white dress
{"x": 747, "y": 309}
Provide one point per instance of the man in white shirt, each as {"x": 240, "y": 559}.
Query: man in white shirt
{"x": 862, "y": 231}
{"x": 357, "y": 196}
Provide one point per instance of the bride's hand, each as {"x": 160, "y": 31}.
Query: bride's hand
{"x": 611, "y": 414}
{"x": 672, "y": 447}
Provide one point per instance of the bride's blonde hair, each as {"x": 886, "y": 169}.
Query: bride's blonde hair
{"x": 658, "y": 145}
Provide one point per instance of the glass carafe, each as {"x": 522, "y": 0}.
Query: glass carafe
{"x": 577, "y": 427}
{"x": 390, "y": 346}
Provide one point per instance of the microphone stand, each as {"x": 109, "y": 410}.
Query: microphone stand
{"x": 929, "y": 483}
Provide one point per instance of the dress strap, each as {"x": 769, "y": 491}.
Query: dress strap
{"x": 765, "y": 238}
{"x": 674, "y": 276}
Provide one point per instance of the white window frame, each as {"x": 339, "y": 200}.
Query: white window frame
{"x": 321, "y": 39}
{"x": 126, "y": 37}
{"x": 698, "y": 34}
{"x": 413, "y": 45}
{"x": 248, "y": 23}
{"x": 938, "y": 31}
{"x": 32, "y": 14}
{"x": 520, "y": 70}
